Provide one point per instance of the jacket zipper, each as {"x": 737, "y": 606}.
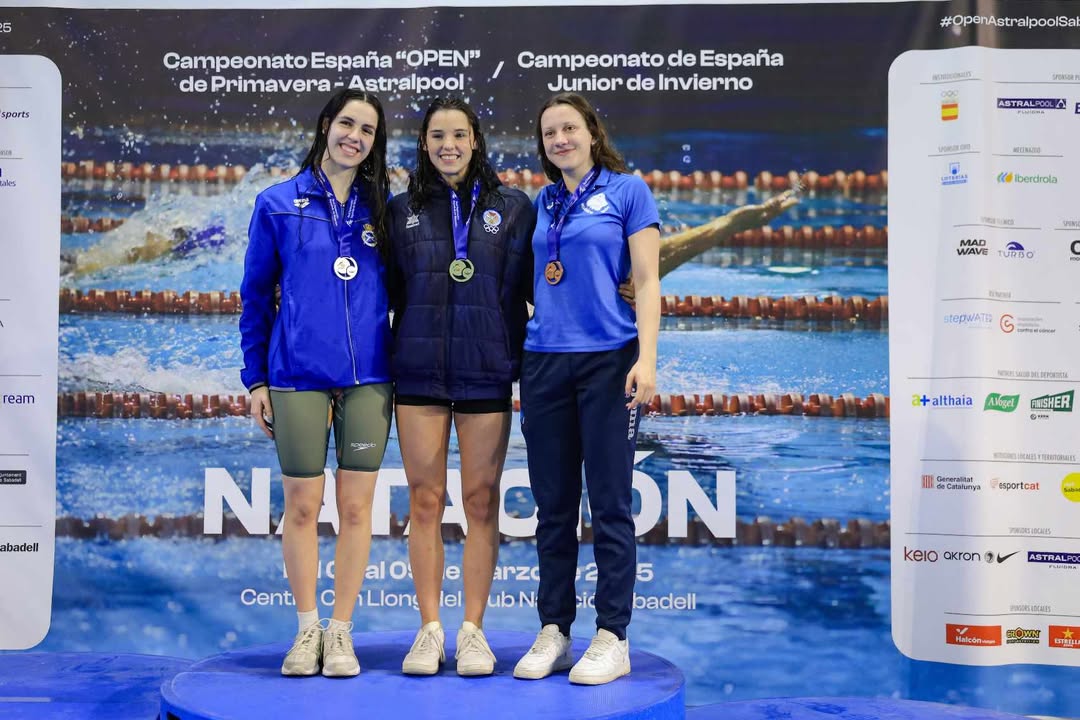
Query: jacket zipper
{"x": 348, "y": 331}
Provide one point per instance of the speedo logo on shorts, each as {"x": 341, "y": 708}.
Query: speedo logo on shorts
{"x": 361, "y": 446}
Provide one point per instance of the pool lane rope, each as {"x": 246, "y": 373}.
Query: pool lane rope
{"x": 848, "y": 182}
{"x": 198, "y": 406}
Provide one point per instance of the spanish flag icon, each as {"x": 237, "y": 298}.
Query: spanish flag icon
{"x": 950, "y": 105}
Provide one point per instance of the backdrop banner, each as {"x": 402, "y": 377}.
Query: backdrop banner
{"x": 774, "y": 548}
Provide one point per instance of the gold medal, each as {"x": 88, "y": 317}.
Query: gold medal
{"x": 462, "y": 270}
{"x": 553, "y": 272}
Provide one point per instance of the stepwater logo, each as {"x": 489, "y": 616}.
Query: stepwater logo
{"x": 953, "y": 176}
{"x": 975, "y": 247}
{"x": 1070, "y": 487}
{"x": 1030, "y": 105}
{"x": 1044, "y": 405}
{"x": 980, "y": 635}
{"x": 950, "y": 104}
{"x": 1012, "y": 178}
{"x": 1063, "y": 636}
{"x": 1016, "y": 251}
{"x": 1001, "y": 403}
{"x": 978, "y": 320}
{"x": 943, "y": 401}
{"x": 1022, "y": 636}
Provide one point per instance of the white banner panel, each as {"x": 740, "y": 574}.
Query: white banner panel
{"x": 29, "y": 315}
{"x": 984, "y": 258}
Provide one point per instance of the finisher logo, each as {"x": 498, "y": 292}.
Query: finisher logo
{"x": 981, "y": 635}
{"x": 1001, "y": 403}
{"x": 1032, "y": 104}
{"x": 1061, "y": 402}
{"x": 1063, "y": 636}
{"x": 1023, "y": 636}
{"x": 1010, "y": 178}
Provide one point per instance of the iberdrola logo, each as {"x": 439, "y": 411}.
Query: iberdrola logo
{"x": 1001, "y": 403}
{"x": 1009, "y": 178}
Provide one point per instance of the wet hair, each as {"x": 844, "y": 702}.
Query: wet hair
{"x": 372, "y": 179}
{"x": 604, "y": 153}
{"x": 425, "y": 180}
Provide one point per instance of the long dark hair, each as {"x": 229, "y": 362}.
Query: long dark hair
{"x": 371, "y": 177}
{"x": 424, "y": 180}
{"x": 604, "y": 153}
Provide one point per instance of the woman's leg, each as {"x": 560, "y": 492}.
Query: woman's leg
{"x": 355, "y": 491}
{"x": 482, "y": 441}
{"x": 424, "y": 438}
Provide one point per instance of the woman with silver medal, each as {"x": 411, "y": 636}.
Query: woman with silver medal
{"x": 320, "y": 359}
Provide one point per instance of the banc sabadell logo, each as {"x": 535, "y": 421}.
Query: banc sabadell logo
{"x": 1013, "y": 178}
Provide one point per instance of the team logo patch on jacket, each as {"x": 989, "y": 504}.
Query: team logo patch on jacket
{"x": 492, "y": 220}
{"x": 301, "y": 202}
{"x": 368, "y": 236}
{"x": 412, "y": 221}
{"x": 597, "y": 203}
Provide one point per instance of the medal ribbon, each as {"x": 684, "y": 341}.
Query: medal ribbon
{"x": 460, "y": 225}
{"x": 562, "y": 208}
{"x": 344, "y": 234}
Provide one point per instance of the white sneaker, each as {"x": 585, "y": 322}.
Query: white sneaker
{"x": 549, "y": 653}
{"x": 305, "y": 656}
{"x": 339, "y": 656}
{"x": 474, "y": 656}
{"x": 427, "y": 651}
{"x": 607, "y": 658}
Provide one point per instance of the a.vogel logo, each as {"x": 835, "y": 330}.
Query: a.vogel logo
{"x": 950, "y": 104}
{"x": 1031, "y": 104}
{"x": 1058, "y": 402}
{"x": 1012, "y": 178}
{"x": 1001, "y": 403}
{"x": 943, "y": 400}
{"x": 976, "y": 246}
{"x": 954, "y": 176}
{"x": 1016, "y": 251}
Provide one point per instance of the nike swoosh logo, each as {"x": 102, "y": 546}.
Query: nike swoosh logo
{"x": 1002, "y": 559}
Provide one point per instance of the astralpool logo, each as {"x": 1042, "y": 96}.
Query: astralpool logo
{"x": 1016, "y": 251}
{"x": 1032, "y": 104}
{"x": 1001, "y": 403}
{"x": 942, "y": 401}
{"x": 1011, "y": 178}
{"x": 1058, "y": 560}
{"x": 954, "y": 176}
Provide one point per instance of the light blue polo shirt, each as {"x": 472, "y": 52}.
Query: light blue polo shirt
{"x": 584, "y": 312}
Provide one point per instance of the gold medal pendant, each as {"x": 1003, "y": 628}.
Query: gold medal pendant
{"x": 462, "y": 270}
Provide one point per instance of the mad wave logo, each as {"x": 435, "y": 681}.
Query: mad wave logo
{"x": 974, "y": 246}
{"x": 1001, "y": 403}
{"x": 981, "y": 635}
{"x": 944, "y": 401}
{"x": 1022, "y": 635}
{"x": 950, "y": 104}
{"x": 1016, "y": 251}
{"x": 1032, "y": 104}
{"x": 1010, "y": 178}
{"x": 954, "y": 176}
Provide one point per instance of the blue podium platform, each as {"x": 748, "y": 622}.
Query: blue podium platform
{"x": 83, "y": 686}
{"x": 842, "y": 708}
{"x": 248, "y": 684}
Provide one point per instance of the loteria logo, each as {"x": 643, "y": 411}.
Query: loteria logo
{"x": 981, "y": 635}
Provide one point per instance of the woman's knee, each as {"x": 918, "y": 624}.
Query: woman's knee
{"x": 482, "y": 504}
{"x": 426, "y": 504}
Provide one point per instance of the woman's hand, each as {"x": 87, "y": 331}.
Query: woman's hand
{"x": 641, "y": 383}
{"x": 626, "y": 291}
{"x": 262, "y": 410}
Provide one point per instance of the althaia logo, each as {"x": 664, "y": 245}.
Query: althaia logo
{"x": 1009, "y": 178}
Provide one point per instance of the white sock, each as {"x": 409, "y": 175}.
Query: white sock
{"x": 339, "y": 624}
{"x": 307, "y": 619}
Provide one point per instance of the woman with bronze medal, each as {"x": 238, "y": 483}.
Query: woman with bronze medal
{"x": 589, "y": 364}
{"x": 323, "y": 353}
{"x": 461, "y": 266}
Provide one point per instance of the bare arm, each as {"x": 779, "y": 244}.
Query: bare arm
{"x": 644, "y": 261}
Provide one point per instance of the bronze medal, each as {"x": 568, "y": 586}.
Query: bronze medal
{"x": 462, "y": 270}
{"x": 553, "y": 272}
